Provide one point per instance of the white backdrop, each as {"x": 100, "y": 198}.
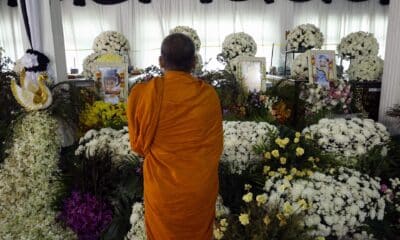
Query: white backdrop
{"x": 10, "y": 31}
{"x": 145, "y": 25}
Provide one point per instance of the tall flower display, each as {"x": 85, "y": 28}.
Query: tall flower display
{"x": 29, "y": 181}
{"x": 358, "y": 44}
{"x": 306, "y": 36}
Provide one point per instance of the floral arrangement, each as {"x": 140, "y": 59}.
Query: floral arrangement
{"x": 101, "y": 114}
{"x": 299, "y": 68}
{"x": 239, "y": 141}
{"x": 335, "y": 204}
{"x": 348, "y": 138}
{"x": 29, "y": 182}
{"x": 86, "y": 215}
{"x": 190, "y": 32}
{"x": 358, "y": 44}
{"x": 305, "y": 36}
{"x": 366, "y": 68}
{"x": 105, "y": 140}
{"x": 238, "y": 44}
{"x": 318, "y": 98}
{"x": 89, "y": 64}
{"x": 111, "y": 41}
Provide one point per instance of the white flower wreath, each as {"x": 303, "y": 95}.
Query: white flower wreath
{"x": 306, "y": 36}
{"x": 111, "y": 41}
{"x": 358, "y": 44}
{"x": 366, "y": 68}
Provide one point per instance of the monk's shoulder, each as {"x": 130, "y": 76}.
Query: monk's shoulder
{"x": 143, "y": 86}
{"x": 209, "y": 89}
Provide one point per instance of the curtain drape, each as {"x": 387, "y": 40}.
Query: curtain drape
{"x": 145, "y": 25}
{"x": 10, "y": 31}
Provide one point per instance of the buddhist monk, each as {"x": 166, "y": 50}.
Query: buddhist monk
{"x": 175, "y": 123}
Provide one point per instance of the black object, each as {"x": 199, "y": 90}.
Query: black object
{"x": 205, "y": 1}
{"x": 327, "y": 1}
{"x": 145, "y": 1}
{"x": 269, "y": 1}
{"x": 109, "y": 2}
{"x": 80, "y": 3}
{"x": 12, "y": 3}
{"x": 26, "y": 21}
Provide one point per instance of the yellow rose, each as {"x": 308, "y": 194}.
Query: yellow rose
{"x": 320, "y": 238}
{"x": 266, "y": 169}
{"x": 275, "y": 153}
{"x": 311, "y": 159}
{"x": 293, "y": 171}
{"x": 247, "y": 187}
{"x": 244, "y": 219}
{"x": 297, "y": 134}
{"x": 296, "y": 140}
{"x": 261, "y": 199}
{"x": 281, "y": 188}
{"x": 282, "y": 142}
{"x": 218, "y": 234}
{"x": 248, "y": 197}
{"x": 272, "y": 173}
{"x": 267, "y": 155}
{"x": 302, "y": 203}
{"x": 299, "y": 151}
{"x": 283, "y": 160}
{"x": 309, "y": 173}
{"x": 267, "y": 220}
{"x": 307, "y": 136}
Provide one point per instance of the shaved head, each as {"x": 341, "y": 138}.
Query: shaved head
{"x": 177, "y": 53}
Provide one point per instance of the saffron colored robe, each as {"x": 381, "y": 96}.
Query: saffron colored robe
{"x": 175, "y": 122}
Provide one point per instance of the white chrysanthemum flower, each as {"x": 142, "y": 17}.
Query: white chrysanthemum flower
{"x": 238, "y": 44}
{"x": 366, "y": 68}
{"x": 111, "y": 41}
{"x": 358, "y": 44}
{"x": 306, "y": 36}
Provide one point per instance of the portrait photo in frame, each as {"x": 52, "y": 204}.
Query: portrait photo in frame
{"x": 251, "y": 71}
{"x": 321, "y": 67}
{"x": 111, "y": 79}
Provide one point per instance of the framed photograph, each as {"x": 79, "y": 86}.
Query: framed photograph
{"x": 111, "y": 79}
{"x": 251, "y": 71}
{"x": 322, "y": 67}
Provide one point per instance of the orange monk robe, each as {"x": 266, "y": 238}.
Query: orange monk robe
{"x": 181, "y": 140}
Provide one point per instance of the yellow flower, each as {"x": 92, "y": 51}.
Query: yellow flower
{"x": 289, "y": 177}
{"x": 297, "y": 134}
{"x": 261, "y": 199}
{"x": 282, "y": 171}
{"x": 223, "y": 222}
{"x": 317, "y": 159}
{"x": 272, "y": 173}
{"x": 311, "y": 159}
{"x": 296, "y": 140}
{"x": 287, "y": 208}
{"x": 267, "y": 220}
{"x": 293, "y": 171}
{"x": 300, "y": 174}
{"x": 267, "y": 155}
{"x": 247, "y": 187}
{"x": 283, "y": 160}
{"x": 299, "y": 151}
{"x": 282, "y": 142}
{"x": 266, "y": 169}
{"x": 282, "y": 219}
{"x": 309, "y": 173}
{"x": 275, "y": 153}
{"x": 244, "y": 219}
{"x": 281, "y": 188}
{"x": 302, "y": 203}
{"x": 248, "y": 197}
{"x": 320, "y": 238}
{"x": 218, "y": 234}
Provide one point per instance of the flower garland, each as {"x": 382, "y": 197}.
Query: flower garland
{"x": 366, "y": 68}
{"x": 306, "y": 36}
{"x": 238, "y": 44}
{"x": 358, "y": 44}
{"x": 29, "y": 183}
{"x": 334, "y": 205}
{"x": 111, "y": 41}
{"x": 239, "y": 140}
{"x": 318, "y": 97}
{"x": 348, "y": 138}
{"x": 299, "y": 68}
{"x": 190, "y": 32}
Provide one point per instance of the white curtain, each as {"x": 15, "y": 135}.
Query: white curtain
{"x": 145, "y": 25}
{"x": 10, "y": 31}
